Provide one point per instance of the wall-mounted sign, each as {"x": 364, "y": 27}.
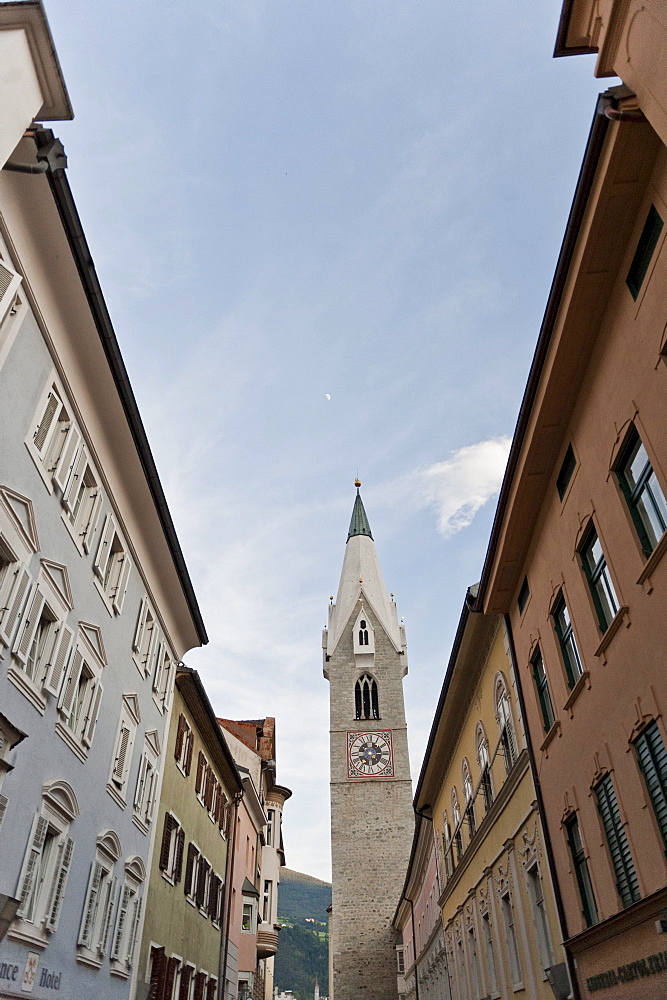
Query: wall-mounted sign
{"x": 626, "y": 973}
{"x": 30, "y": 972}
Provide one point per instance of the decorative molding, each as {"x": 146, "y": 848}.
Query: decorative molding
{"x": 22, "y": 515}
{"x": 61, "y": 796}
{"x": 93, "y": 636}
{"x": 57, "y": 575}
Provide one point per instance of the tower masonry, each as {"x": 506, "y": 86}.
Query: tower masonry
{"x": 372, "y": 821}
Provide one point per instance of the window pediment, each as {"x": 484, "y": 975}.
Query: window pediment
{"x": 92, "y": 635}
{"x": 20, "y": 511}
{"x": 109, "y": 843}
{"x": 58, "y": 577}
{"x": 60, "y": 796}
{"x": 135, "y": 870}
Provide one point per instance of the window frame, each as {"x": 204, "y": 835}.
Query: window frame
{"x": 618, "y": 846}
{"x": 564, "y": 636}
{"x": 598, "y": 575}
{"x": 579, "y": 859}
{"x": 542, "y": 689}
{"x": 644, "y": 251}
{"x": 634, "y": 495}
{"x": 660, "y": 774}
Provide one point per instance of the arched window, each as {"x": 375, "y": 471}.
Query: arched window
{"x": 456, "y": 820}
{"x": 447, "y": 845}
{"x": 366, "y": 698}
{"x": 484, "y": 766}
{"x": 505, "y": 723}
{"x": 470, "y": 802}
{"x": 363, "y": 632}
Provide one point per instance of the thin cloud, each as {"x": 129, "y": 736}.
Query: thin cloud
{"x": 460, "y": 486}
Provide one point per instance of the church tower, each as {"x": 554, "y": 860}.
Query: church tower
{"x": 372, "y": 821}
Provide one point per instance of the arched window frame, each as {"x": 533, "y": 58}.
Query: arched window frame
{"x": 484, "y": 761}
{"x": 447, "y": 845}
{"x": 505, "y": 719}
{"x": 456, "y": 820}
{"x": 469, "y": 796}
{"x": 366, "y": 702}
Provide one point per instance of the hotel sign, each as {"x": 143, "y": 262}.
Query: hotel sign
{"x": 626, "y": 973}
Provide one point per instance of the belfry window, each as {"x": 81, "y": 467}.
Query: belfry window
{"x": 363, "y": 633}
{"x": 366, "y": 698}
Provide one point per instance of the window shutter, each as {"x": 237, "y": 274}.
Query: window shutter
{"x": 172, "y": 969}
{"x": 124, "y": 576}
{"x": 104, "y": 548}
{"x": 132, "y": 939}
{"x": 178, "y": 749}
{"x": 91, "y": 722}
{"x": 166, "y": 841}
{"x": 653, "y": 762}
{"x": 119, "y": 763}
{"x": 29, "y": 626}
{"x": 108, "y": 913}
{"x": 71, "y": 683}
{"x": 59, "y": 884}
{"x": 90, "y": 905}
{"x": 31, "y": 861}
{"x": 157, "y": 985}
{"x": 210, "y": 989}
{"x": 88, "y": 529}
{"x": 59, "y": 653}
{"x": 204, "y": 868}
{"x": 68, "y": 458}
{"x": 157, "y": 668}
{"x": 151, "y": 793}
{"x": 3, "y": 807}
{"x": 141, "y": 781}
{"x": 15, "y": 603}
{"x": 201, "y": 765}
{"x": 222, "y": 812}
{"x": 200, "y": 980}
{"x": 141, "y": 625}
{"x": 213, "y": 897}
{"x": 619, "y": 850}
{"x": 78, "y": 472}
{"x": 44, "y": 426}
{"x": 184, "y": 990}
{"x": 120, "y": 922}
{"x": 188, "y": 752}
{"x": 178, "y": 863}
{"x": 9, "y": 286}
{"x": 189, "y": 869}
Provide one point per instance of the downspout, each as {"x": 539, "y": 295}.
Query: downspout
{"x": 414, "y": 948}
{"x": 542, "y": 814}
{"x": 229, "y": 876}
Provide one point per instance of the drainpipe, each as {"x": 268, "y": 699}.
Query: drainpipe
{"x": 414, "y": 948}
{"x": 540, "y": 809}
{"x": 227, "y": 902}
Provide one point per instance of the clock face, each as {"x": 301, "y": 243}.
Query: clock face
{"x": 369, "y": 755}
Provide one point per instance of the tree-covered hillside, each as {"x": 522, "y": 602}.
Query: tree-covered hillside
{"x": 303, "y": 949}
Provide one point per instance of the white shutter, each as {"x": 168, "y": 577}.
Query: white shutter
{"x": 141, "y": 780}
{"x": 68, "y": 458}
{"x": 59, "y": 884}
{"x": 53, "y": 404}
{"x": 70, "y": 494}
{"x": 141, "y": 625}
{"x": 3, "y": 807}
{"x": 10, "y": 282}
{"x": 108, "y": 912}
{"x": 29, "y": 625}
{"x": 159, "y": 661}
{"x": 150, "y": 794}
{"x": 121, "y": 587}
{"x": 93, "y": 713}
{"x": 88, "y": 531}
{"x": 121, "y": 755}
{"x": 71, "y": 683}
{"x": 136, "y": 916}
{"x": 104, "y": 548}
{"x": 15, "y": 601}
{"x": 120, "y": 922}
{"x": 59, "y": 653}
{"x": 31, "y": 861}
{"x": 91, "y": 904}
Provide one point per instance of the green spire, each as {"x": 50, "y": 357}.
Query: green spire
{"x": 359, "y": 524}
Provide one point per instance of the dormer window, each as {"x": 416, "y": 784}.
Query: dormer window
{"x": 366, "y": 698}
{"x": 363, "y": 635}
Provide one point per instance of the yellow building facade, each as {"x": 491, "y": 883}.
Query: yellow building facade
{"x": 497, "y": 903}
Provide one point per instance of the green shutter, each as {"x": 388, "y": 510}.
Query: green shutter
{"x": 619, "y": 849}
{"x": 653, "y": 762}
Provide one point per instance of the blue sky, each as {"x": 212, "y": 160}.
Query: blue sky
{"x": 291, "y": 200}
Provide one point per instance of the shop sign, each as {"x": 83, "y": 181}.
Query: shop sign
{"x": 626, "y": 973}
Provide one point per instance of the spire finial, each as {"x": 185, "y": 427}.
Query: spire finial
{"x": 357, "y": 483}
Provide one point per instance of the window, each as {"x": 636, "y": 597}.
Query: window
{"x": 470, "y": 803}
{"x": 540, "y": 917}
{"x": 122, "y": 755}
{"x": 505, "y": 725}
{"x": 82, "y": 500}
{"x": 112, "y": 565}
{"x": 145, "y": 636}
{"x": 267, "y": 915}
{"x": 270, "y": 819}
{"x": 652, "y": 758}
{"x": 510, "y": 937}
{"x": 447, "y": 847}
{"x": 203, "y": 880}
{"x": 128, "y": 915}
{"x": 363, "y": 635}
{"x": 215, "y": 900}
{"x": 191, "y": 867}
{"x": 490, "y": 956}
{"x": 599, "y": 580}
{"x": 56, "y": 440}
{"x": 565, "y": 475}
{"x": 248, "y": 920}
{"x": 642, "y": 493}
{"x": 184, "y": 745}
{"x": 161, "y": 665}
{"x": 619, "y": 849}
{"x": 456, "y": 820}
{"x": 94, "y": 931}
{"x": 645, "y": 248}
{"x": 474, "y": 963}
{"x": 566, "y": 641}
{"x": 147, "y": 781}
{"x": 80, "y": 695}
{"x": 582, "y": 875}
{"x": 485, "y": 770}
{"x": 211, "y": 987}
{"x": 524, "y": 594}
{"x": 366, "y": 698}
{"x": 43, "y": 878}
{"x": 542, "y": 688}
{"x": 171, "y": 849}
